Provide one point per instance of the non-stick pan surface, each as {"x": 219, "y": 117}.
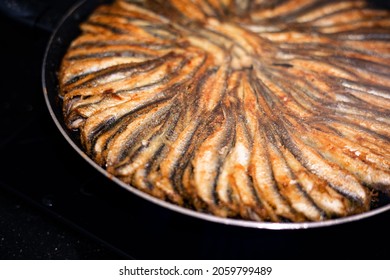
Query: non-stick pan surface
{"x": 67, "y": 30}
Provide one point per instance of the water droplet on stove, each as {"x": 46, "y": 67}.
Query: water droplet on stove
{"x": 47, "y": 200}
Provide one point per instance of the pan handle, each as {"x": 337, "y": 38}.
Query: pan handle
{"x": 41, "y": 14}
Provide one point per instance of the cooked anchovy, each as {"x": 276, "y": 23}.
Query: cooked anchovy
{"x": 207, "y": 165}
{"x": 139, "y": 92}
{"x": 366, "y": 170}
{"x": 300, "y": 144}
{"x": 260, "y": 168}
{"x": 274, "y": 111}
{"x": 288, "y": 186}
{"x": 323, "y": 195}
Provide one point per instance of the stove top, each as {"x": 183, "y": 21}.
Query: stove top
{"x": 45, "y": 186}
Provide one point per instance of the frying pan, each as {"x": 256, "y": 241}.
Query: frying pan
{"x": 64, "y": 33}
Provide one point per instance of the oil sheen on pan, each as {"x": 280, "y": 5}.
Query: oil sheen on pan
{"x": 274, "y": 111}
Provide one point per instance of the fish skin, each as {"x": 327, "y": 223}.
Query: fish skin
{"x": 272, "y": 111}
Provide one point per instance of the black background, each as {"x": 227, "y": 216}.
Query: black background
{"x": 29, "y": 146}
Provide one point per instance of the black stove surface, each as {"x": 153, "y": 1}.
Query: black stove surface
{"x": 53, "y": 204}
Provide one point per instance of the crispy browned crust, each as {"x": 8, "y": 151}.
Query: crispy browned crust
{"x": 266, "y": 110}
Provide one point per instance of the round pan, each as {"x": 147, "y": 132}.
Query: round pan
{"x": 66, "y": 31}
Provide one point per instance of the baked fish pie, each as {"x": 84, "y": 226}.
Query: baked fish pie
{"x": 274, "y": 110}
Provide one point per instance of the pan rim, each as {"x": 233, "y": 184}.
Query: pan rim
{"x": 168, "y": 205}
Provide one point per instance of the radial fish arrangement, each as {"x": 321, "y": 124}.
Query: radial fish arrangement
{"x": 275, "y": 111}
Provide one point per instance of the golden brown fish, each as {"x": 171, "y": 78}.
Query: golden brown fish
{"x": 262, "y": 110}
